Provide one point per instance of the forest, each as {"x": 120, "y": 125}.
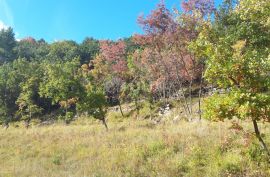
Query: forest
{"x": 211, "y": 65}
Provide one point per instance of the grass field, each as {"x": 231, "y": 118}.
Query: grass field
{"x": 132, "y": 148}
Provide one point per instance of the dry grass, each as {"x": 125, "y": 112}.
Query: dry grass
{"x": 131, "y": 148}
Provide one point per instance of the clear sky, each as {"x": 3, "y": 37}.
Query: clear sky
{"x": 76, "y": 19}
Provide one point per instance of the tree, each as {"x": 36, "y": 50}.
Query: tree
{"x": 28, "y": 107}
{"x": 131, "y": 46}
{"x": 198, "y": 8}
{"x": 26, "y": 48}
{"x": 166, "y": 56}
{"x": 157, "y": 55}
{"x": 110, "y": 68}
{"x": 29, "y": 103}
{"x": 63, "y": 51}
{"x": 239, "y": 61}
{"x": 62, "y": 85}
{"x": 89, "y": 48}
{"x": 9, "y": 90}
{"x": 94, "y": 103}
{"x": 12, "y": 75}
{"x": 93, "y": 100}
{"x": 195, "y": 14}
{"x": 7, "y": 44}
{"x": 135, "y": 88}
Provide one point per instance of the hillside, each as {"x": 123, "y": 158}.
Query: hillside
{"x": 132, "y": 148}
{"x": 186, "y": 94}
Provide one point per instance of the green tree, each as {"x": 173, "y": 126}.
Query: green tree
{"x": 63, "y": 51}
{"x": 11, "y": 76}
{"x": 239, "y": 61}
{"x": 61, "y": 84}
{"x": 131, "y": 46}
{"x": 136, "y": 87}
{"x": 94, "y": 103}
{"x": 93, "y": 100}
{"x": 28, "y": 107}
{"x": 7, "y": 44}
{"x": 8, "y": 93}
{"x": 26, "y": 48}
{"x": 89, "y": 48}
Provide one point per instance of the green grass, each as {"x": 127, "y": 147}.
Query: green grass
{"x": 132, "y": 148}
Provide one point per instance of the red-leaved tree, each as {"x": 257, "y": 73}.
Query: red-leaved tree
{"x": 110, "y": 68}
{"x": 165, "y": 49}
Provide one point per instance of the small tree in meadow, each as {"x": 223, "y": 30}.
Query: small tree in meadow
{"x": 93, "y": 100}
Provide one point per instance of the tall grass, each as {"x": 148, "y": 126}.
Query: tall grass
{"x": 132, "y": 148}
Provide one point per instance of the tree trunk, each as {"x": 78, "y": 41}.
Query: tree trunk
{"x": 186, "y": 102}
{"x": 120, "y": 107}
{"x": 258, "y": 135}
{"x": 151, "y": 108}
{"x": 105, "y": 124}
{"x": 190, "y": 96}
{"x": 200, "y": 95}
{"x": 27, "y": 123}
{"x": 186, "y": 108}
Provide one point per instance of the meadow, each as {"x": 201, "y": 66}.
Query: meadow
{"x": 133, "y": 148}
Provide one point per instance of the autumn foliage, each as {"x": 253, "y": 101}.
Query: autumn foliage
{"x": 181, "y": 53}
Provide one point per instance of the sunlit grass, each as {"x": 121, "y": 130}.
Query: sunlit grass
{"x": 131, "y": 148}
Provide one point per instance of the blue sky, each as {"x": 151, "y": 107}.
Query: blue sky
{"x": 76, "y": 19}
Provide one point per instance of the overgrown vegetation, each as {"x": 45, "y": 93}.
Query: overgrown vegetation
{"x": 196, "y": 52}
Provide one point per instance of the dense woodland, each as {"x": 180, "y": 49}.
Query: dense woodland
{"x": 182, "y": 54}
